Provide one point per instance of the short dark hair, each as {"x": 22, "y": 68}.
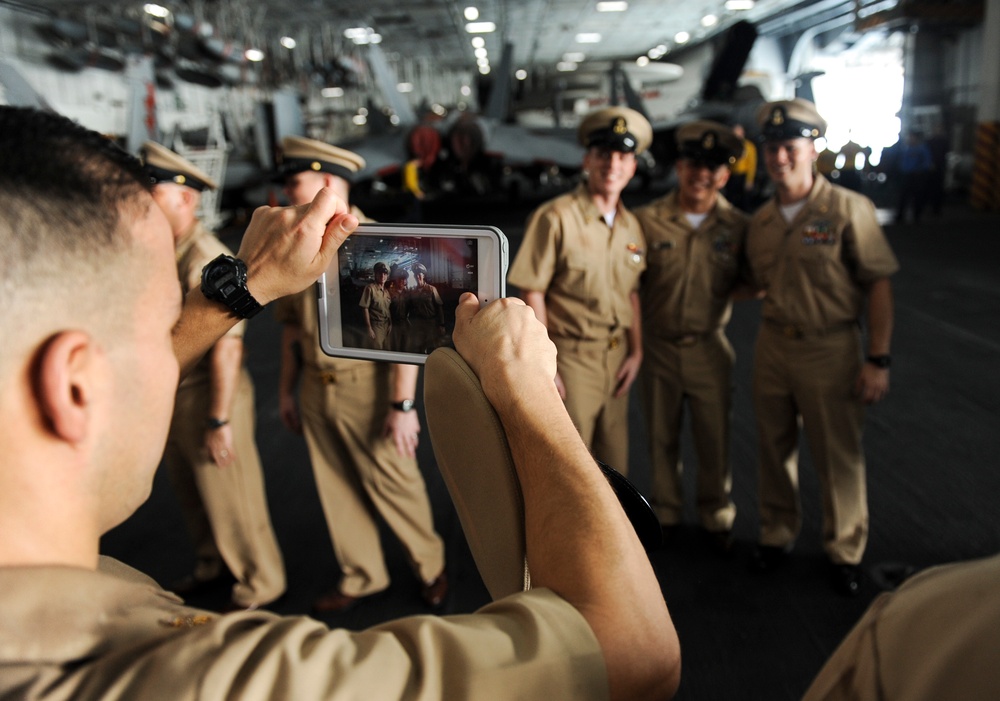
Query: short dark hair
{"x": 65, "y": 193}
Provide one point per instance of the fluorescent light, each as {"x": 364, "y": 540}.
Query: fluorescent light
{"x": 404, "y": 87}
{"x": 375, "y": 38}
{"x": 484, "y": 70}
{"x": 359, "y": 119}
{"x": 471, "y": 14}
{"x": 478, "y": 42}
{"x": 332, "y": 92}
{"x": 363, "y": 111}
{"x": 156, "y": 10}
{"x": 480, "y": 53}
{"x": 480, "y": 27}
{"x": 393, "y": 119}
{"x": 612, "y": 6}
{"x": 588, "y": 38}
{"x": 642, "y": 61}
{"x": 465, "y": 90}
{"x": 739, "y": 5}
{"x": 682, "y": 37}
{"x": 253, "y": 55}
{"x": 482, "y": 61}
{"x": 565, "y": 66}
{"x": 288, "y": 42}
{"x": 574, "y": 56}
{"x": 520, "y": 74}
{"x": 709, "y": 21}
{"x": 356, "y": 32}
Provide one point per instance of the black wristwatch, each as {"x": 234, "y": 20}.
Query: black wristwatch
{"x": 880, "y": 361}
{"x": 225, "y": 280}
{"x": 405, "y": 405}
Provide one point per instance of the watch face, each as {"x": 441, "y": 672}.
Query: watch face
{"x": 224, "y": 277}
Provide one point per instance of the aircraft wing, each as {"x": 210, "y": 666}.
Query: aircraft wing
{"x": 519, "y": 147}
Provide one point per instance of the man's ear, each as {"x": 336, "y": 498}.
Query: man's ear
{"x": 65, "y": 384}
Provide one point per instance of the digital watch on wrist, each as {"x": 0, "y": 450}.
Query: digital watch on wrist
{"x": 224, "y": 280}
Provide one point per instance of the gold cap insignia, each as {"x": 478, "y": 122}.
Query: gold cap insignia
{"x": 618, "y": 126}
{"x": 316, "y": 165}
{"x": 778, "y": 116}
{"x": 708, "y": 143}
{"x": 180, "y": 179}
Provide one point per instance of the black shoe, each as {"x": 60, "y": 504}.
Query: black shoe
{"x": 767, "y": 558}
{"x": 846, "y": 579}
{"x": 720, "y": 541}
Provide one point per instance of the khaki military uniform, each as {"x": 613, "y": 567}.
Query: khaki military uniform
{"x": 425, "y": 314}
{"x": 225, "y": 509}
{"x": 587, "y": 272}
{"x": 343, "y": 403}
{"x": 375, "y": 299}
{"x": 808, "y": 356}
{"x": 71, "y": 633}
{"x": 686, "y": 356}
{"x": 935, "y": 638}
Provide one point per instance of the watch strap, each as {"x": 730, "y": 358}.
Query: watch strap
{"x": 405, "y": 405}
{"x": 880, "y": 361}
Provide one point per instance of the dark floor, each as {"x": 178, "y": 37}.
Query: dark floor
{"x": 932, "y": 450}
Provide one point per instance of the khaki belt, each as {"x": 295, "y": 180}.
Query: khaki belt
{"x": 612, "y": 342}
{"x": 353, "y": 375}
{"x": 798, "y": 331}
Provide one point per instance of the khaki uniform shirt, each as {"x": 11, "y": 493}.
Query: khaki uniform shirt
{"x": 375, "y": 299}
{"x": 195, "y": 249}
{"x": 71, "y": 633}
{"x": 935, "y": 638}
{"x": 690, "y": 272}
{"x": 586, "y": 270}
{"x": 815, "y": 268}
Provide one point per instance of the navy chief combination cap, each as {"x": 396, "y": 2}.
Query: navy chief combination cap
{"x": 164, "y": 166}
{"x": 616, "y": 128}
{"x": 299, "y": 154}
{"x": 710, "y": 143}
{"x": 790, "y": 119}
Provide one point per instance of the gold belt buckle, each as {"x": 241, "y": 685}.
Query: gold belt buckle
{"x": 329, "y": 378}
{"x": 613, "y": 342}
{"x": 793, "y": 331}
{"x": 686, "y": 341}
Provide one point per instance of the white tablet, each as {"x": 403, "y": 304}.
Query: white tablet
{"x": 392, "y": 289}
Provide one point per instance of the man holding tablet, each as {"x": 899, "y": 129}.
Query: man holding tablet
{"x": 359, "y": 422}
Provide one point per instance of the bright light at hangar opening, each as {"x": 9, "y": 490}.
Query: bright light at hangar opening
{"x": 288, "y": 42}
{"x": 156, "y": 10}
{"x": 332, "y": 92}
{"x": 480, "y": 27}
{"x": 861, "y": 98}
{"x": 471, "y": 14}
{"x": 521, "y": 74}
{"x": 588, "y": 38}
{"x": 253, "y": 55}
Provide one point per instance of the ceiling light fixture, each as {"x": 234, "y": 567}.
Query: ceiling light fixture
{"x": 480, "y": 53}
{"x": 739, "y": 5}
{"x": 156, "y": 10}
{"x": 521, "y": 74}
{"x": 709, "y": 21}
{"x": 478, "y": 42}
{"x": 404, "y": 87}
{"x": 480, "y": 27}
{"x": 471, "y": 14}
{"x": 642, "y": 61}
{"x": 332, "y": 92}
{"x": 565, "y": 66}
{"x": 574, "y": 56}
{"x": 682, "y": 37}
{"x": 612, "y": 6}
{"x": 588, "y": 38}
{"x": 288, "y": 42}
{"x": 484, "y": 70}
{"x": 253, "y": 55}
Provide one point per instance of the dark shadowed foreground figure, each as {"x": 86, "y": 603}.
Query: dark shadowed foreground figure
{"x": 93, "y": 336}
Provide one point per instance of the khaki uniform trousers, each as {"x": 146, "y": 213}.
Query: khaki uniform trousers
{"x": 809, "y": 378}
{"x": 358, "y": 472}
{"x": 696, "y": 370}
{"x": 225, "y": 509}
{"x": 588, "y": 369}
